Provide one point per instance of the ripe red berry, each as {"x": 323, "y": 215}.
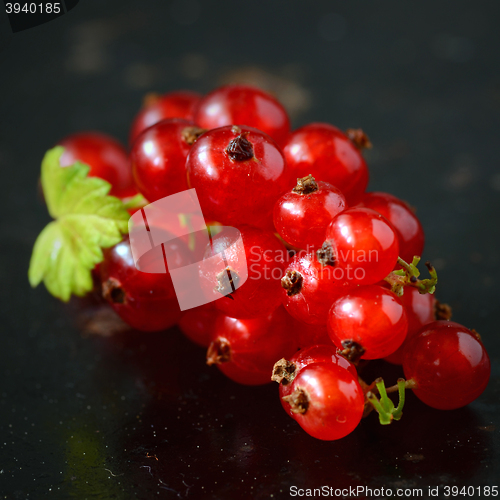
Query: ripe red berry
{"x": 246, "y": 349}
{"x": 243, "y": 105}
{"x": 284, "y": 371}
{"x": 238, "y": 173}
{"x": 309, "y": 289}
{"x": 198, "y": 324}
{"x": 420, "y": 311}
{"x": 106, "y": 158}
{"x": 361, "y": 245}
{"x": 448, "y": 363}
{"x": 327, "y": 400}
{"x": 144, "y": 300}
{"x": 179, "y": 104}
{"x": 159, "y": 158}
{"x": 262, "y": 257}
{"x": 302, "y": 214}
{"x": 326, "y": 153}
{"x": 371, "y": 317}
{"x": 404, "y": 221}
{"x": 309, "y": 335}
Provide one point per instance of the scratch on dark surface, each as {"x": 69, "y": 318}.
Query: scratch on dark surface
{"x": 114, "y": 475}
{"x": 165, "y": 487}
{"x": 146, "y": 467}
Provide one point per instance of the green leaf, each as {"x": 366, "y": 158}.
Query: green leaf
{"x": 87, "y": 219}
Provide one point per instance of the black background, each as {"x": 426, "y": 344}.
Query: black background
{"x": 86, "y": 415}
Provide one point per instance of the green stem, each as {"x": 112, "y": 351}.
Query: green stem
{"x": 408, "y": 276}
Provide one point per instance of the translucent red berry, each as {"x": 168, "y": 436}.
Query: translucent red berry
{"x": 243, "y": 105}
{"x": 420, "y": 311}
{"x": 246, "y": 349}
{"x": 106, "y": 158}
{"x": 371, "y": 317}
{"x": 448, "y": 363}
{"x": 327, "y": 400}
{"x": 326, "y": 153}
{"x": 159, "y": 158}
{"x": 145, "y": 301}
{"x": 198, "y": 324}
{"x": 406, "y": 224}
{"x": 178, "y": 104}
{"x": 262, "y": 256}
{"x": 309, "y": 289}
{"x": 238, "y": 173}
{"x": 302, "y": 214}
{"x": 362, "y": 245}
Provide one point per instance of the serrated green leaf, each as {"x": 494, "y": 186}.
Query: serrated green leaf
{"x": 87, "y": 220}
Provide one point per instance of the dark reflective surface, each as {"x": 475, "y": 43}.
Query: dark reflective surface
{"x": 85, "y": 415}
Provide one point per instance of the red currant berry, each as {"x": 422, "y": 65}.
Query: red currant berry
{"x": 238, "y": 173}
{"x": 246, "y": 349}
{"x": 404, "y": 221}
{"x": 370, "y": 318}
{"x": 243, "y": 105}
{"x": 179, "y": 104}
{"x": 198, "y": 324}
{"x": 302, "y": 214}
{"x": 309, "y": 335}
{"x": 261, "y": 258}
{"x": 448, "y": 363}
{"x": 309, "y": 289}
{"x": 326, "y": 153}
{"x": 362, "y": 244}
{"x": 420, "y": 311}
{"x": 327, "y": 400}
{"x": 144, "y": 300}
{"x": 159, "y": 158}
{"x": 106, "y": 158}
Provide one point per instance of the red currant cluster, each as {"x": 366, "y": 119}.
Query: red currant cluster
{"x": 332, "y": 278}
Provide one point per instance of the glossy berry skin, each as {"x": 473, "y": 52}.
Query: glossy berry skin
{"x": 244, "y": 105}
{"x": 419, "y": 309}
{"x": 319, "y": 353}
{"x": 335, "y": 400}
{"x": 262, "y": 255}
{"x": 198, "y": 324}
{"x": 325, "y": 152}
{"x": 245, "y": 350}
{"x": 106, "y": 158}
{"x": 178, "y": 104}
{"x": 449, "y": 364}
{"x": 364, "y": 244}
{"x": 158, "y": 159}
{"x": 371, "y": 316}
{"x": 237, "y": 189}
{"x": 406, "y": 224}
{"x": 309, "y": 335}
{"x": 301, "y": 219}
{"x": 145, "y": 301}
{"x": 314, "y": 291}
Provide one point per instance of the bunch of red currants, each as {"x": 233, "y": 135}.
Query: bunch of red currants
{"x": 331, "y": 270}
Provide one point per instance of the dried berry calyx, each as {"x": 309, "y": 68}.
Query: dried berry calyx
{"x": 283, "y": 371}
{"x": 113, "y": 292}
{"x": 219, "y": 351}
{"x": 227, "y": 282}
{"x": 240, "y": 148}
{"x": 306, "y": 185}
{"x": 442, "y": 311}
{"x": 191, "y": 134}
{"x": 352, "y": 351}
{"x": 298, "y": 401}
{"x": 292, "y": 282}
{"x": 359, "y": 138}
{"x": 326, "y": 254}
